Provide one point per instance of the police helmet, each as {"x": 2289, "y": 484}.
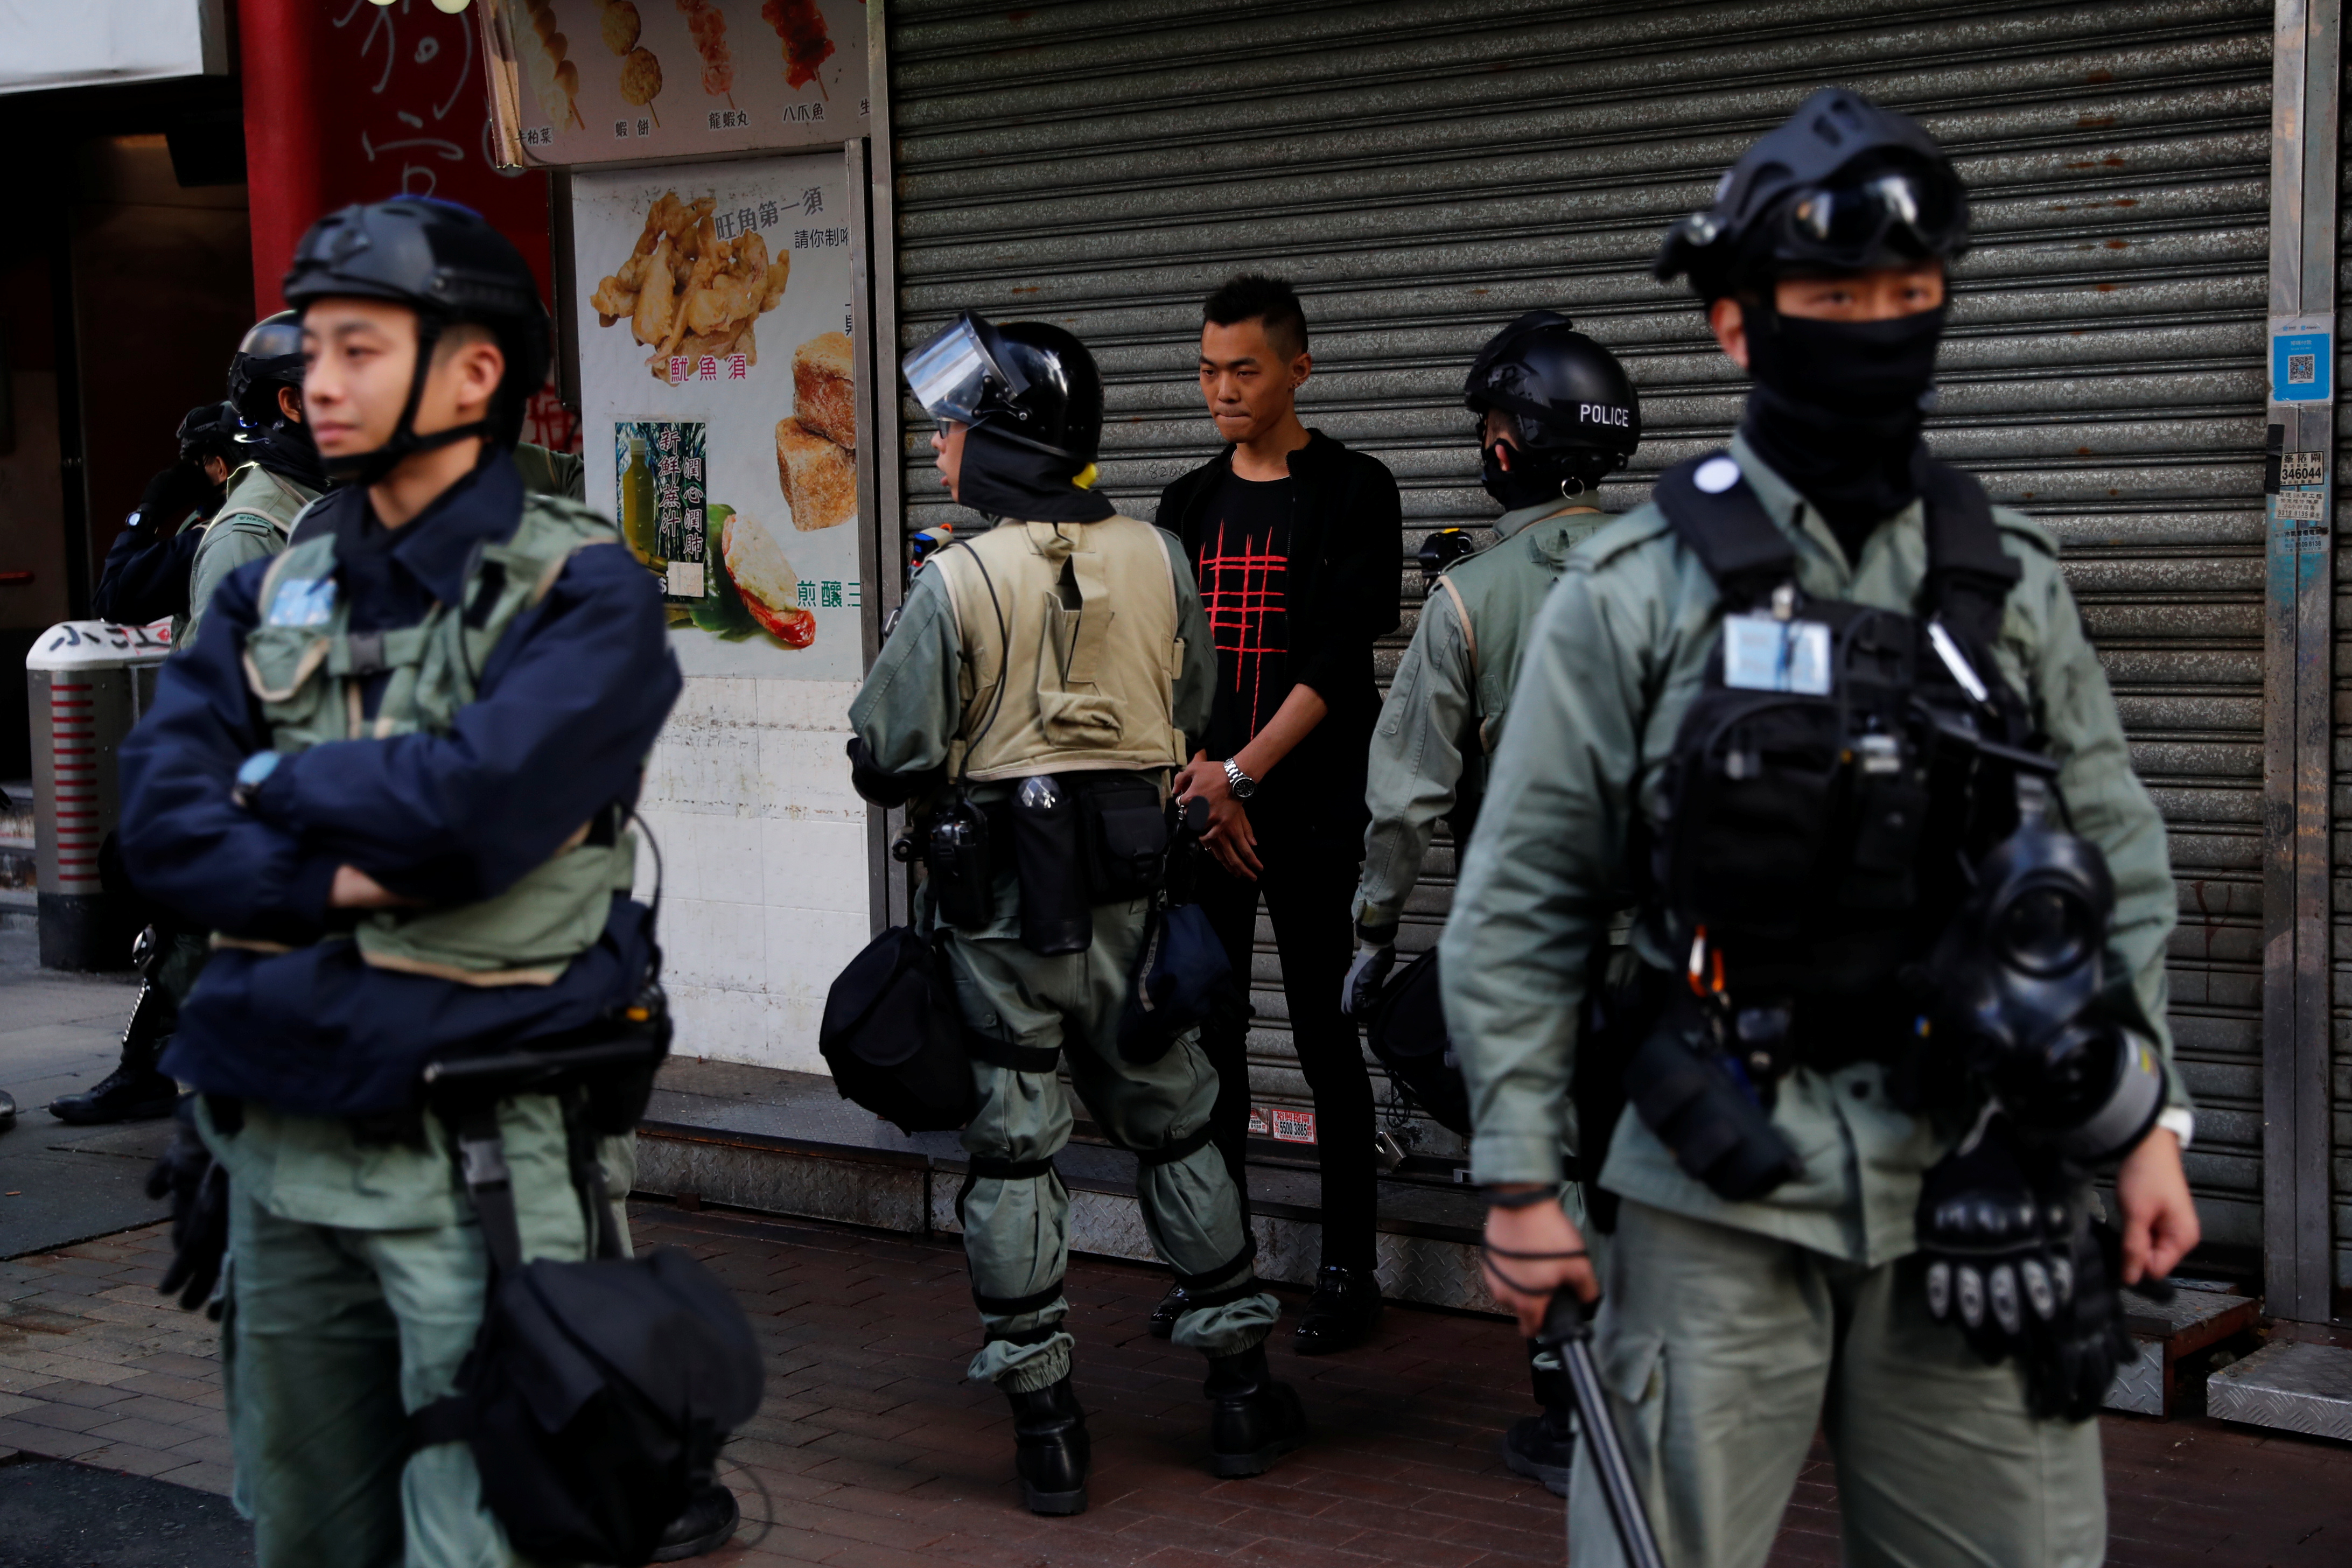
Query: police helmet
{"x": 447, "y": 264}
{"x": 1029, "y": 382}
{"x": 269, "y": 357}
{"x": 210, "y": 430}
{"x": 1842, "y": 187}
{"x": 1567, "y": 393}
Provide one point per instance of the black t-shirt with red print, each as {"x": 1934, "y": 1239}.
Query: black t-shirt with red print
{"x": 1244, "y": 564}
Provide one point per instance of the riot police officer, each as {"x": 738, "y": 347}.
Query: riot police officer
{"x": 1902, "y": 918}
{"x": 1034, "y": 696}
{"x": 1556, "y": 413}
{"x": 280, "y": 475}
{"x": 393, "y": 777}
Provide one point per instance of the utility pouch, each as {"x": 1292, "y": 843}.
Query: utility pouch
{"x": 956, "y": 854}
{"x": 1701, "y": 1105}
{"x": 1049, "y": 853}
{"x": 1750, "y": 796}
{"x": 1126, "y": 837}
{"x": 894, "y": 1036}
{"x": 1623, "y": 1000}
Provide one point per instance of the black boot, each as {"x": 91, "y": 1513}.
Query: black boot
{"x": 1173, "y": 1306}
{"x": 128, "y": 1093}
{"x": 1542, "y": 1447}
{"x": 1254, "y": 1420}
{"x": 706, "y": 1525}
{"x": 1050, "y": 1448}
{"x": 1345, "y": 1306}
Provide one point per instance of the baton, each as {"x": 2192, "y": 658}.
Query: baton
{"x": 1567, "y": 1331}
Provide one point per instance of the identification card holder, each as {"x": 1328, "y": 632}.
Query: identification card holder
{"x": 1764, "y": 653}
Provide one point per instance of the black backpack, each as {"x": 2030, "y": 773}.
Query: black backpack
{"x": 598, "y": 1394}
{"x": 1407, "y": 1033}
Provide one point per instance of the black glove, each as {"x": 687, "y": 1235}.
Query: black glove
{"x": 198, "y": 1189}
{"x": 2069, "y": 1369}
{"x": 1365, "y": 975}
{"x": 170, "y": 496}
{"x": 1994, "y": 1246}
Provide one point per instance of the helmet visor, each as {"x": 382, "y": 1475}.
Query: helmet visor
{"x": 1891, "y": 216}
{"x": 948, "y": 373}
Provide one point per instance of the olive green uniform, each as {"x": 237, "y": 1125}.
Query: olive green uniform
{"x": 1728, "y": 1329}
{"x": 916, "y": 711}
{"x": 252, "y": 524}
{"x": 1444, "y": 709}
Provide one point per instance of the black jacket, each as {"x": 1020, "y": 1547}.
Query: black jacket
{"x": 1345, "y": 578}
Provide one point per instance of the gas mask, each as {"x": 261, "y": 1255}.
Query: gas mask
{"x": 2021, "y": 994}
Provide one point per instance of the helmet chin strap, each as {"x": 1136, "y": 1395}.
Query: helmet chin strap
{"x": 370, "y": 467}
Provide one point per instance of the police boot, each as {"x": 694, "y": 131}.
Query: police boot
{"x": 1173, "y": 1306}
{"x": 1542, "y": 1447}
{"x": 707, "y": 1523}
{"x": 131, "y": 1092}
{"x": 1345, "y": 1306}
{"x": 1050, "y": 1448}
{"x": 1253, "y": 1419}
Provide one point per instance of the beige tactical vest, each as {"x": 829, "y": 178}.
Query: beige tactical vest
{"x": 305, "y": 668}
{"x": 1071, "y": 663}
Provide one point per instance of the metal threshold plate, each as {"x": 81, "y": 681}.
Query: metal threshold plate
{"x": 2294, "y": 1387}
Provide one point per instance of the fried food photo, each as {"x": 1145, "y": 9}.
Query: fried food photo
{"x": 554, "y": 79}
{"x": 620, "y": 24}
{"x": 686, "y": 291}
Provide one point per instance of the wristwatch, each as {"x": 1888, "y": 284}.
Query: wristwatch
{"x": 1240, "y": 784}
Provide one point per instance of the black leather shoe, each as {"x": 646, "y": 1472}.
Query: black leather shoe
{"x": 1173, "y": 1306}
{"x": 1345, "y": 1306}
{"x": 126, "y": 1094}
{"x": 1253, "y": 1419}
{"x": 7, "y": 1111}
{"x": 1050, "y": 1448}
{"x": 707, "y": 1523}
{"x": 1542, "y": 1449}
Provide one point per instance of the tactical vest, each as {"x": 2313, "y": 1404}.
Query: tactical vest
{"x": 1836, "y": 774}
{"x": 260, "y": 505}
{"x": 307, "y": 670}
{"x": 1071, "y": 632}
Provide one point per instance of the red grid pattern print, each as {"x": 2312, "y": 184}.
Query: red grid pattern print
{"x": 1241, "y": 586}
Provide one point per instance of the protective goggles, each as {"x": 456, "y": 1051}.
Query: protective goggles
{"x": 1888, "y": 217}
{"x": 950, "y": 374}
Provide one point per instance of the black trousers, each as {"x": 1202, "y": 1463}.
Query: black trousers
{"x": 1308, "y": 882}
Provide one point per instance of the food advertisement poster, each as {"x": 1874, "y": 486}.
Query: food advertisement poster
{"x": 603, "y": 81}
{"x": 719, "y": 403}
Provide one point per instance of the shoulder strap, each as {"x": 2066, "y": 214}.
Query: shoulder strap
{"x": 1727, "y": 529}
{"x": 1462, "y": 613}
{"x": 1968, "y": 574}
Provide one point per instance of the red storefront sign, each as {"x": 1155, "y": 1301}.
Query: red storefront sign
{"x": 349, "y": 101}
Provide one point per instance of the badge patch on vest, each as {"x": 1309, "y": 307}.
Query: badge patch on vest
{"x": 310, "y": 603}
{"x": 1761, "y": 653}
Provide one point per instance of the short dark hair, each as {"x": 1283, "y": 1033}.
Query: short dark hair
{"x": 1254, "y": 296}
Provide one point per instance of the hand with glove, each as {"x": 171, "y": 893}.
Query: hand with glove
{"x": 2069, "y": 1368}
{"x": 1365, "y": 976}
{"x": 199, "y": 1188}
{"x": 1994, "y": 1240}
{"x": 172, "y": 495}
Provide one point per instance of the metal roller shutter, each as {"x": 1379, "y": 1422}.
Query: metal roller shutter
{"x": 1426, "y": 169}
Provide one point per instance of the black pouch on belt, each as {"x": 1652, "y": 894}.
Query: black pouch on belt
{"x": 956, "y": 854}
{"x": 1049, "y": 853}
{"x": 1126, "y": 835}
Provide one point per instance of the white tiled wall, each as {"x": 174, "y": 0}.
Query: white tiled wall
{"x": 765, "y": 848}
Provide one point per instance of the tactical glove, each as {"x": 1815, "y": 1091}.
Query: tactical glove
{"x": 2069, "y": 1368}
{"x": 170, "y": 496}
{"x": 1363, "y": 986}
{"x": 1995, "y": 1244}
{"x": 199, "y": 1188}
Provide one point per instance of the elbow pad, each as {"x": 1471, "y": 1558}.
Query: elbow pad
{"x": 888, "y": 789}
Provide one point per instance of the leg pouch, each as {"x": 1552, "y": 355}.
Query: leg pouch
{"x": 1127, "y": 837}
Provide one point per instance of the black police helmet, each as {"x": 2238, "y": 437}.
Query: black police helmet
{"x": 447, "y": 264}
{"x": 1567, "y": 391}
{"x": 269, "y": 357}
{"x": 1842, "y": 187}
{"x": 210, "y": 430}
{"x": 1029, "y": 383}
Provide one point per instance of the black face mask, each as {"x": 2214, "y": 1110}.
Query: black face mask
{"x": 1532, "y": 480}
{"x": 285, "y": 447}
{"x": 1837, "y": 409}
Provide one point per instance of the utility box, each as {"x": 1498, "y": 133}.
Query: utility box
{"x": 87, "y": 683}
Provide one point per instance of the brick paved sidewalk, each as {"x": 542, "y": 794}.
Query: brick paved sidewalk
{"x": 873, "y": 1452}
